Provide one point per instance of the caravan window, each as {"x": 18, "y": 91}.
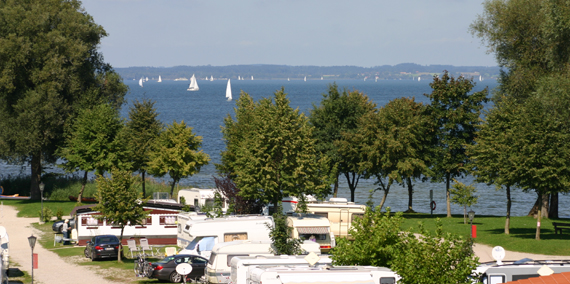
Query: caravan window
{"x": 230, "y": 256}
{"x": 324, "y": 214}
{"x": 493, "y": 279}
{"x": 387, "y": 280}
{"x": 209, "y": 202}
{"x": 313, "y": 237}
{"x": 235, "y": 237}
{"x": 212, "y": 258}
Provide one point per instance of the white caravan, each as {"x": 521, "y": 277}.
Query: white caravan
{"x": 218, "y": 269}
{"x": 312, "y": 227}
{"x": 241, "y": 266}
{"x": 322, "y": 274}
{"x": 200, "y": 236}
{"x": 340, "y": 213}
{"x": 200, "y": 197}
{"x": 5, "y": 254}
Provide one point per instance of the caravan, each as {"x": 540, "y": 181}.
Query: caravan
{"x": 199, "y": 197}
{"x": 340, "y": 213}
{"x": 198, "y": 237}
{"x": 218, "y": 269}
{"x": 322, "y": 274}
{"x": 312, "y": 227}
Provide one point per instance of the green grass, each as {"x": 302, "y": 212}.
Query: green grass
{"x": 491, "y": 231}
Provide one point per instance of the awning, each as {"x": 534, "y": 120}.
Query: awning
{"x": 313, "y": 230}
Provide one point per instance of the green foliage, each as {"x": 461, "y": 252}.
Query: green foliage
{"x": 336, "y": 117}
{"x": 463, "y": 195}
{"x": 375, "y": 239}
{"x": 176, "y": 153}
{"x": 59, "y": 213}
{"x": 120, "y": 203}
{"x": 216, "y": 210}
{"x": 270, "y": 152}
{"x": 182, "y": 200}
{"x": 281, "y": 234}
{"x": 47, "y": 214}
{"x": 433, "y": 258}
{"x": 48, "y": 73}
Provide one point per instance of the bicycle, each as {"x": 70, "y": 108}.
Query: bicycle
{"x": 143, "y": 268}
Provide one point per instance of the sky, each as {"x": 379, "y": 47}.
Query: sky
{"x": 366, "y": 33}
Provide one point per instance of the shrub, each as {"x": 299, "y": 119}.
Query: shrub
{"x": 46, "y": 215}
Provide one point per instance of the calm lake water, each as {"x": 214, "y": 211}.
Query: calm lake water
{"x": 205, "y": 110}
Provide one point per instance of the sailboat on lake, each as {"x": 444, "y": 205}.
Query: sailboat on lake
{"x": 159, "y": 79}
{"x": 141, "y": 82}
{"x": 229, "y": 91}
{"x": 193, "y": 84}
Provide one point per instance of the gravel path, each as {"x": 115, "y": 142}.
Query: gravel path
{"x": 51, "y": 268}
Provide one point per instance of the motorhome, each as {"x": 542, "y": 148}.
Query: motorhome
{"x": 4, "y": 254}
{"x": 493, "y": 273}
{"x": 218, "y": 269}
{"x": 312, "y": 227}
{"x": 322, "y": 274}
{"x": 198, "y": 236}
{"x": 242, "y": 265}
{"x": 200, "y": 198}
{"x": 159, "y": 227}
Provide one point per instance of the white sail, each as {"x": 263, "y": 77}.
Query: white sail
{"x": 141, "y": 82}
{"x": 159, "y": 79}
{"x": 252, "y": 77}
{"x": 239, "y": 78}
{"x": 146, "y": 80}
{"x": 211, "y": 78}
{"x": 321, "y": 77}
{"x": 193, "y": 84}
{"x": 419, "y": 79}
{"x": 288, "y": 79}
{"x": 229, "y": 91}
{"x": 480, "y": 78}
{"x": 305, "y": 79}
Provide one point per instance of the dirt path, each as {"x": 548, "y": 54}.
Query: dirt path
{"x": 51, "y": 269}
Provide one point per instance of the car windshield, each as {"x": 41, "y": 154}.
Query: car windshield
{"x": 166, "y": 259}
{"x": 108, "y": 239}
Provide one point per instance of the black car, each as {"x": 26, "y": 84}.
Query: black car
{"x": 58, "y": 226}
{"x": 103, "y": 246}
{"x": 165, "y": 269}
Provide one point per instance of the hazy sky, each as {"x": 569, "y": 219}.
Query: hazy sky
{"x": 293, "y": 32}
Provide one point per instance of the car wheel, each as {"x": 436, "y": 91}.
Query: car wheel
{"x": 86, "y": 253}
{"x": 175, "y": 277}
{"x": 93, "y": 258}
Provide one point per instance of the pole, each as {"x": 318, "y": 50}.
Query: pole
{"x": 471, "y": 235}
{"x": 32, "y": 265}
{"x": 42, "y": 197}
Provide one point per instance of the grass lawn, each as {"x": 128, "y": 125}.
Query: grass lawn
{"x": 491, "y": 231}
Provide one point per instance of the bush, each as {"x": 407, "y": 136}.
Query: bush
{"x": 59, "y": 214}
{"x": 46, "y": 216}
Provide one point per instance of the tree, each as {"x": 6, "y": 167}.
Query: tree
{"x": 280, "y": 234}
{"x": 119, "y": 201}
{"x": 270, "y": 152}
{"x": 462, "y": 194}
{"x": 433, "y": 258}
{"x": 456, "y": 115}
{"x": 339, "y": 113}
{"x": 237, "y": 204}
{"x": 176, "y": 153}
{"x": 142, "y": 128}
{"x": 94, "y": 143}
{"x": 50, "y": 69}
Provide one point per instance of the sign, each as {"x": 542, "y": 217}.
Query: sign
{"x": 183, "y": 268}
{"x": 35, "y": 261}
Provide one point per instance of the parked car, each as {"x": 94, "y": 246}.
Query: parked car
{"x": 103, "y": 246}
{"x": 57, "y": 226}
{"x": 165, "y": 269}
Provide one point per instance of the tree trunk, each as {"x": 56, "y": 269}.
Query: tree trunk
{"x": 121, "y": 245}
{"x": 36, "y": 165}
{"x": 448, "y": 194}
{"x": 335, "y": 189}
{"x": 83, "y": 182}
{"x": 553, "y": 212}
{"x": 534, "y": 210}
{"x": 464, "y": 214}
{"x": 384, "y": 198}
{"x": 410, "y": 195}
{"x": 143, "y": 184}
{"x": 539, "y": 217}
{"x": 172, "y": 187}
{"x": 352, "y": 183}
{"x": 545, "y": 203}
{"x": 508, "y": 221}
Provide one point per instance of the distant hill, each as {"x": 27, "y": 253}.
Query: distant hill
{"x": 264, "y": 72}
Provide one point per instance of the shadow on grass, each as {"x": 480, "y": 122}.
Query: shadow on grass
{"x": 15, "y": 272}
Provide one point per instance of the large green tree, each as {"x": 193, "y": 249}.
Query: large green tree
{"x": 95, "y": 142}
{"x": 270, "y": 151}
{"x": 176, "y": 153}
{"x": 120, "y": 202}
{"x": 336, "y": 114}
{"x": 455, "y": 112}
{"x": 50, "y": 68}
{"x": 143, "y": 128}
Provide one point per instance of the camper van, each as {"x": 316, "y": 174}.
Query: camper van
{"x": 312, "y": 227}
{"x": 340, "y": 213}
{"x": 218, "y": 269}
{"x": 507, "y": 271}
{"x": 200, "y": 197}
{"x": 199, "y": 236}
{"x": 322, "y": 274}
{"x": 242, "y": 265}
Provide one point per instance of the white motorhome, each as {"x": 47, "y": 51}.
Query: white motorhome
{"x": 5, "y": 254}
{"x": 200, "y": 197}
{"x": 218, "y": 269}
{"x": 312, "y": 227}
{"x": 199, "y": 236}
{"x": 340, "y": 213}
{"x": 242, "y": 265}
{"x": 322, "y": 274}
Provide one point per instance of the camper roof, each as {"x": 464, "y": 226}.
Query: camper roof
{"x": 304, "y": 220}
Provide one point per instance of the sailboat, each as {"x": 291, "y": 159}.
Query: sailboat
{"x": 321, "y": 77}
{"x": 229, "y": 91}
{"x": 146, "y": 80}
{"x": 288, "y": 79}
{"x": 211, "y": 78}
{"x": 140, "y": 82}
{"x": 252, "y": 77}
{"x": 305, "y": 79}
{"x": 193, "y": 84}
{"x": 419, "y": 79}
{"x": 159, "y": 79}
{"x": 480, "y": 79}
{"x": 239, "y": 77}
